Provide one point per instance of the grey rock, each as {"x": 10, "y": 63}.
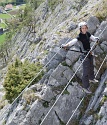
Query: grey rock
{"x": 46, "y": 93}
{"x": 53, "y": 61}
{"x": 45, "y": 10}
{"x": 37, "y": 40}
{"x": 105, "y": 91}
{"x": 99, "y": 89}
{"x": 105, "y": 43}
{"x": 104, "y": 46}
{"x": 53, "y": 64}
{"x": 36, "y": 87}
{"x": 102, "y": 31}
{"x": 94, "y": 102}
{"x": 71, "y": 57}
{"x": 34, "y": 115}
{"x": 98, "y": 50}
{"x": 60, "y": 76}
{"x": 60, "y": 51}
{"x": 88, "y": 120}
{"x": 18, "y": 113}
{"x": 70, "y": 101}
{"x": 52, "y": 119}
{"x": 103, "y": 114}
{"x": 46, "y": 77}
{"x": 75, "y": 67}
{"x": 52, "y": 25}
{"x": 68, "y": 74}
{"x": 93, "y": 24}
{"x": 64, "y": 41}
{"x": 53, "y": 82}
{"x": 72, "y": 27}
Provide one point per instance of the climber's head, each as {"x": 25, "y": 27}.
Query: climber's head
{"x": 83, "y": 27}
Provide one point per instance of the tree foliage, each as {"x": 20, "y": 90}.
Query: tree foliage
{"x": 18, "y": 76}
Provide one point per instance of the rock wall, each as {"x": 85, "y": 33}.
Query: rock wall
{"x": 53, "y": 29}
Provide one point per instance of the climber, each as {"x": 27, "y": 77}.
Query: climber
{"x": 88, "y": 67}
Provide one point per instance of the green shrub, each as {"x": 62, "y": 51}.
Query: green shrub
{"x": 18, "y": 76}
{"x": 101, "y": 13}
{"x": 3, "y": 102}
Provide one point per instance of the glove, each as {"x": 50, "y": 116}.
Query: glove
{"x": 64, "y": 46}
{"x": 97, "y": 38}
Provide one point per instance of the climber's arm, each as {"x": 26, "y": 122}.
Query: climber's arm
{"x": 69, "y": 44}
{"x": 93, "y": 38}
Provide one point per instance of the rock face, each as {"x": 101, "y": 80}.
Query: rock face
{"x": 103, "y": 114}
{"x": 102, "y": 27}
{"x": 60, "y": 76}
{"x": 72, "y": 27}
{"x": 95, "y": 102}
{"x": 93, "y": 24}
{"x": 34, "y": 113}
{"x": 55, "y": 28}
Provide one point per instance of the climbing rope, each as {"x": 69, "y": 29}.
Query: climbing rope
{"x": 34, "y": 77}
{"x": 84, "y": 97}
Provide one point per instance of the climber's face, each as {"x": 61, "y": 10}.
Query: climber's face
{"x": 84, "y": 29}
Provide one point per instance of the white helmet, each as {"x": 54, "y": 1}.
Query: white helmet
{"x": 82, "y": 24}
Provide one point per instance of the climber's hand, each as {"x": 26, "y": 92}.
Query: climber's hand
{"x": 64, "y": 46}
{"x": 97, "y": 38}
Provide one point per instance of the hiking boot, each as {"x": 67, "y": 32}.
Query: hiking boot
{"x": 87, "y": 91}
{"x": 94, "y": 81}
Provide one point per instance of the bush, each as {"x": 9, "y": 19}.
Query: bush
{"x": 18, "y": 76}
{"x": 101, "y": 13}
{"x": 3, "y": 102}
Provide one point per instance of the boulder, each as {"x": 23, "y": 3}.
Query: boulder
{"x": 60, "y": 76}
{"x": 45, "y": 78}
{"x": 52, "y": 119}
{"x": 102, "y": 31}
{"x": 72, "y": 26}
{"x": 17, "y": 115}
{"x": 88, "y": 120}
{"x": 104, "y": 46}
{"x": 103, "y": 114}
{"x": 93, "y": 24}
{"x": 70, "y": 99}
{"x": 98, "y": 50}
{"x": 46, "y": 93}
{"x": 72, "y": 57}
{"x": 56, "y": 55}
{"x": 54, "y": 59}
{"x": 76, "y": 65}
{"x": 34, "y": 115}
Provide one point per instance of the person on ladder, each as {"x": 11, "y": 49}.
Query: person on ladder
{"x": 88, "y": 67}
